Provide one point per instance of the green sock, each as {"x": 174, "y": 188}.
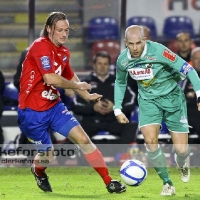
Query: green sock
{"x": 158, "y": 160}
{"x": 181, "y": 158}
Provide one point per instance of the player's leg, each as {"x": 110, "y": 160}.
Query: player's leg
{"x": 180, "y": 141}
{"x": 70, "y": 127}
{"x": 150, "y": 117}
{"x": 30, "y": 125}
{"x": 177, "y": 124}
{"x": 38, "y": 168}
{"x": 94, "y": 157}
{"x": 155, "y": 153}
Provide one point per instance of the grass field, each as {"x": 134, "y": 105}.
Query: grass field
{"x": 83, "y": 183}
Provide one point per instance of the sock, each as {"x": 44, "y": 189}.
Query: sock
{"x": 95, "y": 159}
{"x": 39, "y": 170}
{"x": 181, "y": 158}
{"x": 158, "y": 160}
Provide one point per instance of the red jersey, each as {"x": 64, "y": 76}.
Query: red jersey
{"x": 42, "y": 58}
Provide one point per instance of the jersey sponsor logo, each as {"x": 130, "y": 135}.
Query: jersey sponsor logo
{"x": 186, "y": 68}
{"x": 45, "y": 62}
{"x": 169, "y": 55}
{"x": 150, "y": 58}
{"x": 49, "y": 95}
{"x": 140, "y": 73}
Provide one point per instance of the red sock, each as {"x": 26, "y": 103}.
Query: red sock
{"x": 39, "y": 170}
{"x": 95, "y": 159}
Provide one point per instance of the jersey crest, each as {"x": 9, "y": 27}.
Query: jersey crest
{"x": 45, "y": 61}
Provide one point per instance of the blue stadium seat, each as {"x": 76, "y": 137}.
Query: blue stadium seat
{"x": 102, "y": 28}
{"x": 175, "y": 24}
{"x": 145, "y": 21}
{"x": 10, "y": 96}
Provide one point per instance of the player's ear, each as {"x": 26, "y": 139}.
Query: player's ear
{"x": 48, "y": 29}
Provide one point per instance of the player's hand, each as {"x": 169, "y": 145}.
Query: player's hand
{"x": 198, "y": 105}
{"x": 84, "y": 86}
{"x": 94, "y": 97}
{"x": 122, "y": 119}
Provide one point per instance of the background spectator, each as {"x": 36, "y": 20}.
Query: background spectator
{"x": 99, "y": 116}
{"x": 147, "y": 32}
{"x": 19, "y": 69}
{"x": 193, "y": 113}
{"x": 184, "y": 45}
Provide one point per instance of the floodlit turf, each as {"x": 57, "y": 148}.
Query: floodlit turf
{"x": 83, "y": 183}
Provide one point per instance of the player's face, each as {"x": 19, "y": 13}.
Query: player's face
{"x": 184, "y": 43}
{"x": 102, "y": 66}
{"x": 196, "y": 60}
{"x": 135, "y": 44}
{"x": 59, "y": 33}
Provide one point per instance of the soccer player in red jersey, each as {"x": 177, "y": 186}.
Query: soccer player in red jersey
{"x": 46, "y": 68}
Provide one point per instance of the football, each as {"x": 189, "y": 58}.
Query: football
{"x": 133, "y": 172}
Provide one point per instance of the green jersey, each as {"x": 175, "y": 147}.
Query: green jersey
{"x": 156, "y": 71}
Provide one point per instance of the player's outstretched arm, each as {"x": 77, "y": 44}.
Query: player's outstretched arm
{"x": 60, "y": 82}
{"x": 81, "y": 88}
{"x": 122, "y": 119}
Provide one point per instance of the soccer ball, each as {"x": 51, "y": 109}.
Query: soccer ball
{"x": 133, "y": 172}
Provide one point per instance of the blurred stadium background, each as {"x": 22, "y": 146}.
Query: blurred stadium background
{"x": 103, "y": 21}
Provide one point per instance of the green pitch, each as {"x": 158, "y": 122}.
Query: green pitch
{"x": 84, "y": 183}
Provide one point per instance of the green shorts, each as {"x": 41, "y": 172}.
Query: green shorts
{"x": 170, "y": 108}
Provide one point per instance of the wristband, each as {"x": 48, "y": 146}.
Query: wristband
{"x": 198, "y": 96}
{"x": 117, "y": 112}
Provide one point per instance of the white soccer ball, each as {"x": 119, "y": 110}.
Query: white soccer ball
{"x": 133, "y": 172}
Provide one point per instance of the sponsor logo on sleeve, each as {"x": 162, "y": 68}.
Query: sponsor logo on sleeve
{"x": 169, "y": 55}
{"x": 45, "y": 62}
{"x": 186, "y": 68}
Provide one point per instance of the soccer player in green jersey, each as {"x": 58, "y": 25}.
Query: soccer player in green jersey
{"x": 157, "y": 71}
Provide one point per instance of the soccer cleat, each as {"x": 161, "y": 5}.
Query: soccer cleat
{"x": 183, "y": 171}
{"x": 115, "y": 186}
{"x": 42, "y": 181}
{"x": 168, "y": 190}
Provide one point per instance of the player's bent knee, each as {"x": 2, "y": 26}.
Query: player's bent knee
{"x": 84, "y": 140}
{"x": 151, "y": 141}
